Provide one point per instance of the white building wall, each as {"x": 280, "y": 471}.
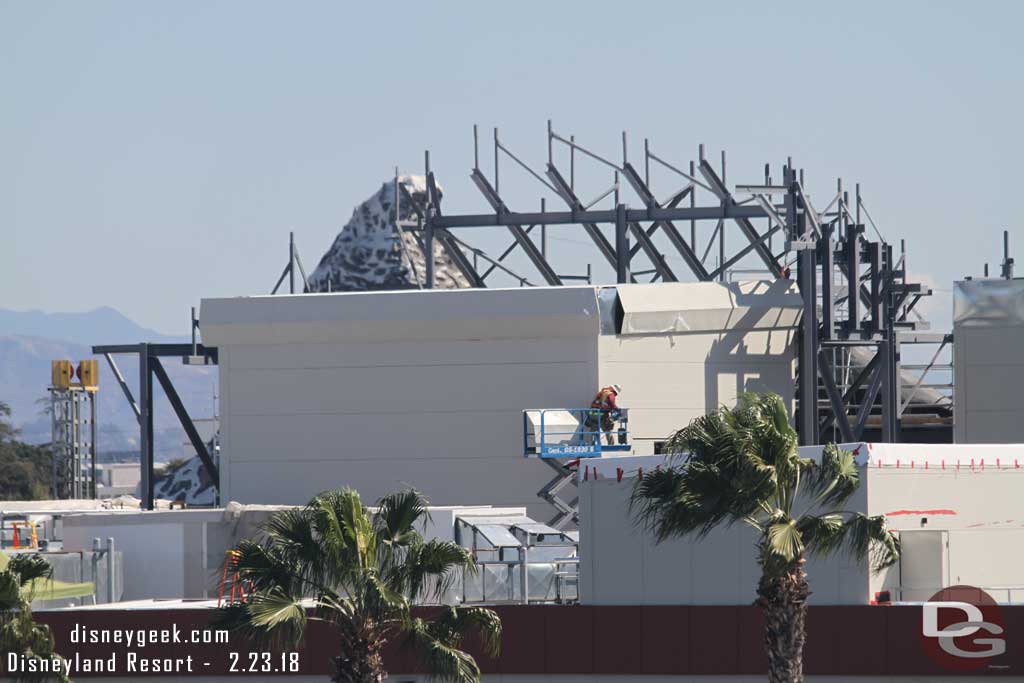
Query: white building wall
{"x": 169, "y": 553}
{"x": 381, "y": 390}
{"x": 967, "y": 493}
{"x": 669, "y": 379}
{"x": 622, "y": 564}
{"x": 685, "y": 349}
{"x": 423, "y": 389}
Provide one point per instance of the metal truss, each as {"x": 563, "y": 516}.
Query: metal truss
{"x": 150, "y": 367}
{"x": 73, "y": 441}
{"x": 855, "y": 293}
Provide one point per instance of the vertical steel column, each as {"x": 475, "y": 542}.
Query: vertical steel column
{"x": 875, "y": 262}
{"x": 146, "y": 426}
{"x": 852, "y": 249}
{"x": 693, "y": 204}
{"x": 54, "y": 439}
{"x": 891, "y": 359}
{"x": 1007, "y": 261}
{"x": 291, "y": 262}
{"x": 111, "y": 593}
{"x": 76, "y": 457}
{"x": 808, "y": 398}
{"x": 428, "y": 219}
{"x": 621, "y": 245}
{"x": 92, "y": 441}
{"x": 826, "y": 256}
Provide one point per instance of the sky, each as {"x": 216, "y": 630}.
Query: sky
{"x": 152, "y": 154}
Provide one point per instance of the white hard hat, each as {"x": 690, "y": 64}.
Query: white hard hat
{"x": 616, "y": 388}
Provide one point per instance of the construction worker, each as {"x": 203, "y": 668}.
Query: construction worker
{"x": 604, "y": 412}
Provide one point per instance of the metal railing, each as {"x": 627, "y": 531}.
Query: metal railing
{"x": 500, "y": 582}
{"x": 575, "y": 432}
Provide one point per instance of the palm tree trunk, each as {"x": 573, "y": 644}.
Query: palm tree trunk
{"x": 783, "y": 599}
{"x": 360, "y": 661}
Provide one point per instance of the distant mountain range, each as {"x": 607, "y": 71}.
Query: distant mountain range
{"x": 30, "y": 340}
{"x": 104, "y": 325}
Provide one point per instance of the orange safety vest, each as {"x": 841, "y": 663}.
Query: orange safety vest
{"x": 601, "y": 400}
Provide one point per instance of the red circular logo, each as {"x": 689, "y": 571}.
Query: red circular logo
{"x": 962, "y": 629}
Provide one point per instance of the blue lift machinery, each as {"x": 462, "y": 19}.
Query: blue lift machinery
{"x": 560, "y": 438}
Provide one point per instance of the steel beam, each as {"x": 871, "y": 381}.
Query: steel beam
{"x": 146, "y": 425}
{"x": 869, "y": 401}
{"x": 828, "y": 377}
{"x": 677, "y": 240}
{"x": 124, "y": 386}
{"x": 808, "y": 388}
{"x": 621, "y": 246}
{"x": 719, "y": 188}
{"x": 579, "y": 215}
{"x": 458, "y": 257}
{"x": 643, "y": 239}
{"x": 851, "y": 391}
{"x": 522, "y": 239}
{"x": 852, "y": 273}
{"x": 826, "y": 257}
{"x": 186, "y": 421}
{"x": 160, "y": 350}
{"x": 582, "y": 217}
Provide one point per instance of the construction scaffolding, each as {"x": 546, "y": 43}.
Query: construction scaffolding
{"x": 859, "y": 307}
{"x": 73, "y": 441}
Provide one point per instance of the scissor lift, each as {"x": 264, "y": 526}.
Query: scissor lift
{"x": 561, "y": 437}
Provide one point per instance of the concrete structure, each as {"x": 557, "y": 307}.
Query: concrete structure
{"x": 377, "y": 390}
{"x": 957, "y": 510}
{"x": 988, "y": 364}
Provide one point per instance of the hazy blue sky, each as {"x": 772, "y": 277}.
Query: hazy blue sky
{"x": 155, "y": 153}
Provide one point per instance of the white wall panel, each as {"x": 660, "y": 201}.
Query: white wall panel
{"x": 628, "y": 567}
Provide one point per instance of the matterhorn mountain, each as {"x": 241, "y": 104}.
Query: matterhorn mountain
{"x": 371, "y": 253}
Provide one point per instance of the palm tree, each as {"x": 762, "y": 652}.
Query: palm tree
{"x": 741, "y": 465}
{"x": 360, "y": 571}
{"x": 18, "y": 632}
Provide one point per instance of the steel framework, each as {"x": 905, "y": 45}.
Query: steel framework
{"x": 73, "y": 440}
{"x": 150, "y": 367}
{"x": 855, "y": 289}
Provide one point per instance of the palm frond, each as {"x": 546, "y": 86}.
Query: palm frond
{"x": 869, "y": 537}
{"x": 399, "y": 514}
{"x": 785, "y": 541}
{"x": 28, "y": 567}
{"x": 343, "y": 523}
{"x": 852, "y": 534}
{"x": 728, "y": 466}
{"x": 438, "y": 641}
{"x": 292, "y": 531}
{"x": 835, "y": 478}
{"x": 270, "y": 617}
{"x": 822, "y": 534}
{"x": 381, "y": 598}
{"x": 430, "y": 569}
{"x": 10, "y": 592}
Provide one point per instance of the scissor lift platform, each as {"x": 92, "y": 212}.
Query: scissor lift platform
{"x": 560, "y": 437}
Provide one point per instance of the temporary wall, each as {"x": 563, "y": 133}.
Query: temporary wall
{"x": 988, "y": 365}
{"x": 427, "y": 388}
